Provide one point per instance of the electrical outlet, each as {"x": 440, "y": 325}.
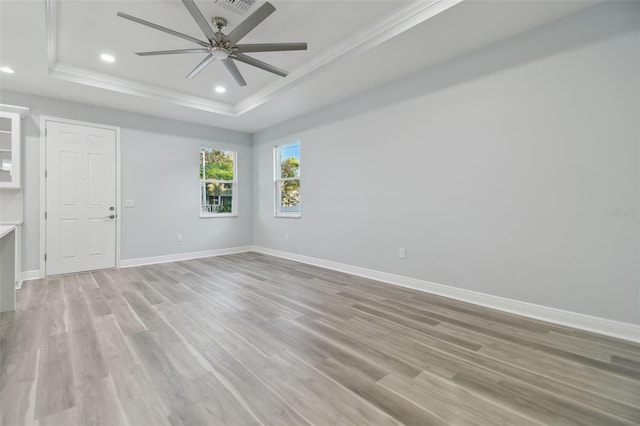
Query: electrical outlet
{"x": 286, "y": 236}
{"x": 179, "y": 238}
{"x": 402, "y": 253}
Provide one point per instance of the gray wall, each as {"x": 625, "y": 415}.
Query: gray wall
{"x": 159, "y": 172}
{"x": 499, "y": 172}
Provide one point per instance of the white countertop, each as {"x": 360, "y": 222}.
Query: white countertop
{"x": 5, "y": 229}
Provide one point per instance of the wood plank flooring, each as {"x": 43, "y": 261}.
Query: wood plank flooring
{"x": 250, "y": 339}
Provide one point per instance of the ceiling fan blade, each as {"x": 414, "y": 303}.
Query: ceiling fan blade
{"x": 251, "y": 22}
{"x": 172, "y": 52}
{"x": 200, "y": 19}
{"x": 234, "y": 71}
{"x": 262, "y": 65}
{"x": 202, "y": 65}
{"x": 270, "y": 47}
{"x": 163, "y": 29}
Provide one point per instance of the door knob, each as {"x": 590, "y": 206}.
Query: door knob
{"x": 111, "y": 216}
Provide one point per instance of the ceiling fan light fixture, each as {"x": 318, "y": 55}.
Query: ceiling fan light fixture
{"x": 219, "y": 52}
{"x": 107, "y": 57}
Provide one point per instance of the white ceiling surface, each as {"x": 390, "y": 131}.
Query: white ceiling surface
{"x": 88, "y": 28}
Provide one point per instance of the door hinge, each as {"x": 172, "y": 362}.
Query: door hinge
{"x": 45, "y": 173}
{"x": 45, "y": 215}
{"x": 45, "y": 257}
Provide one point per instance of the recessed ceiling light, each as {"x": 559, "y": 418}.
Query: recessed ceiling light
{"x": 220, "y": 89}
{"x": 107, "y": 58}
{"x": 6, "y": 70}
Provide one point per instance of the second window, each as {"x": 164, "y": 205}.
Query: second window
{"x": 287, "y": 179}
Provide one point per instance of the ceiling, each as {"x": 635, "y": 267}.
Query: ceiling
{"x": 354, "y": 46}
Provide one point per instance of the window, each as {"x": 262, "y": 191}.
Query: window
{"x": 218, "y": 183}
{"x": 287, "y": 179}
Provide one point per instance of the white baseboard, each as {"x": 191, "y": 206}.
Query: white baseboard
{"x": 127, "y": 263}
{"x": 590, "y": 323}
{"x": 29, "y": 275}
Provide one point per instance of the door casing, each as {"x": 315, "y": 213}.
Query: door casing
{"x": 43, "y": 184}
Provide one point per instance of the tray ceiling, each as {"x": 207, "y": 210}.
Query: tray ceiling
{"x": 353, "y": 46}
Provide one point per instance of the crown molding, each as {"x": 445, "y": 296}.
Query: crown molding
{"x": 136, "y": 88}
{"x": 363, "y": 40}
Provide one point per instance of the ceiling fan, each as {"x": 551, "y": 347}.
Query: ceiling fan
{"x": 222, "y": 46}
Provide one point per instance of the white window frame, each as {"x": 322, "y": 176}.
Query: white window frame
{"x": 277, "y": 180}
{"x": 234, "y": 184}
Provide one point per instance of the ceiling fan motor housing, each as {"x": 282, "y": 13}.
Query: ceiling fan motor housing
{"x": 218, "y": 22}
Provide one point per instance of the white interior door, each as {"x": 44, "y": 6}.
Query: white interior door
{"x": 81, "y": 198}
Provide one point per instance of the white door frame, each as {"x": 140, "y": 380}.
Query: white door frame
{"x": 43, "y": 184}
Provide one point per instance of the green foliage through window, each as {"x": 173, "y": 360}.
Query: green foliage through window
{"x": 216, "y": 164}
{"x": 290, "y": 167}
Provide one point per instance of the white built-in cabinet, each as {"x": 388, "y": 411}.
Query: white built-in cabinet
{"x": 11, "y": 208}
{"x": 9, "y": 149}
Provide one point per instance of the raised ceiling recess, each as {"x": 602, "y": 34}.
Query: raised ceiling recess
{"x": 354, "y": 29}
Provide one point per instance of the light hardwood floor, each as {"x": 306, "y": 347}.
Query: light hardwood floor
{"x": 250, "y": 339}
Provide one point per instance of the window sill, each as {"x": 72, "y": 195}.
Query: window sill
{"x": 287, "y": 216}
{"x": 210, "y": 216}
